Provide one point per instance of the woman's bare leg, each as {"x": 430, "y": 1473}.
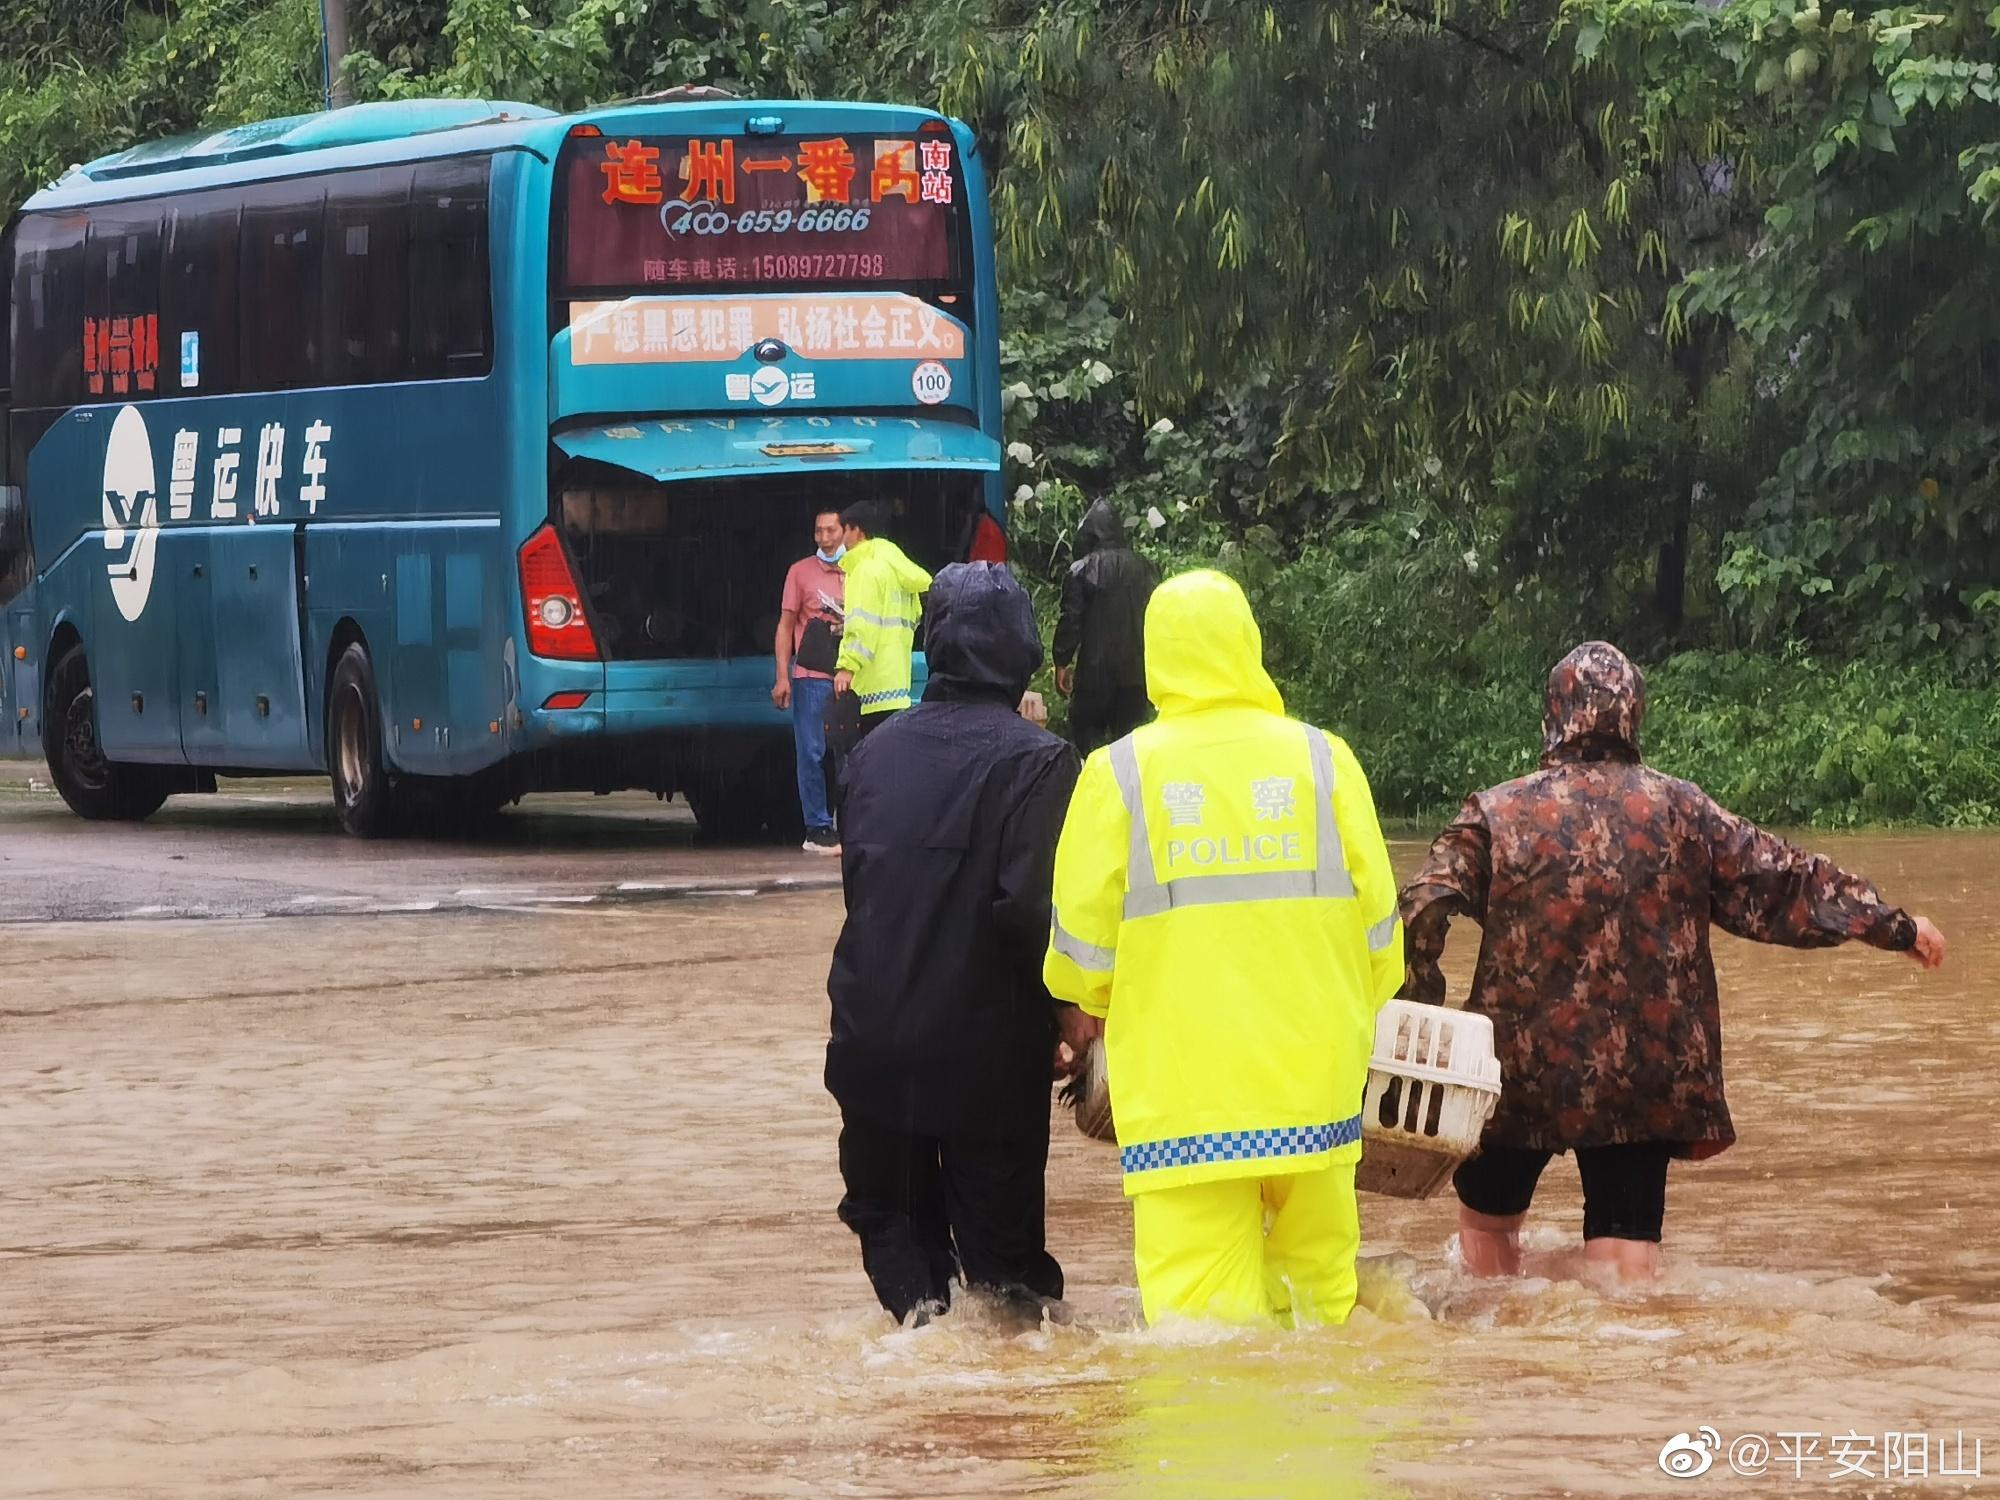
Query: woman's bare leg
{"x": 1490, "y": 1244}
{"x": 1633, "y": 1260}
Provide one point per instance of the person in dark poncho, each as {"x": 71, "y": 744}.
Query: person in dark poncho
{"x": 943, "y": 1033}
{"x": 1099, "y": 648}
{"x": 1595, "y": 882}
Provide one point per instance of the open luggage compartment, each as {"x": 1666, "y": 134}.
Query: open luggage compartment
{"x": 694, "y": 568}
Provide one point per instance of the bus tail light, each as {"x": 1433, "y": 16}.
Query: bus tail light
{"x": 989, "y": 542}
{"x": 570, "y": 699}
{"x": 556, "y": 624}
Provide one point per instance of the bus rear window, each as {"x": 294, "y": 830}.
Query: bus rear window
{"x": 659, "y": 213}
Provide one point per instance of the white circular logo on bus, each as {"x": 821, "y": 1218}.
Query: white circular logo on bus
{"x": 768, "y": 387}
{"x": 131, "y": 513}
{"x": 931, "y": 382}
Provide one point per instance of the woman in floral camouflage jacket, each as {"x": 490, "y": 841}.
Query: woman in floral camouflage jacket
{"x": 1595, "y": 881}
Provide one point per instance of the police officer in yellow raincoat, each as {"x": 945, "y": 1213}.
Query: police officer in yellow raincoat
{"x": 1224, "y": 903}
{"x": 885, "y": 595}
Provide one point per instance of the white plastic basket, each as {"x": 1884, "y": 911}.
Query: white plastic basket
{"x": 1433, "y": 1083}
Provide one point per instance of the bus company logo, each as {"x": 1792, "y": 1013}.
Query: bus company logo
{"x": 131, "y": 513}
{"x": 770, "y": 386}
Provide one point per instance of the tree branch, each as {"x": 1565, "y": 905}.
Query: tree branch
{"x": 1431, "y": 18}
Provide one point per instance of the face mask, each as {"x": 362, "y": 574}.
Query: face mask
{"x": 835, "y": 555}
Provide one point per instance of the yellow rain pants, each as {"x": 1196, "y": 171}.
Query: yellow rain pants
{"x": 1204, "y": 1251}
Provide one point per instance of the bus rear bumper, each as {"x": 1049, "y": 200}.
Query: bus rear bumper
{"x": 669, "y": 703}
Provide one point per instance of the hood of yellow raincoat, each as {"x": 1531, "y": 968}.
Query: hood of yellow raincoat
{"x": 1203, "y": 648}
{"x": 879, "y": 549}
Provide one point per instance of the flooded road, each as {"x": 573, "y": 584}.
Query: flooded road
{"x": 539, "y": 1202}
{"x": 270, "y": 848}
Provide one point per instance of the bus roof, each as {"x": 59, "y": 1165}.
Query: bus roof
{"x": 360, "y": 125}
{"x": 402, "y": 130}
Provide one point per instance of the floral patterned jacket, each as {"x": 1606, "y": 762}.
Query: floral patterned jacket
{"x": 1595, "y": 881}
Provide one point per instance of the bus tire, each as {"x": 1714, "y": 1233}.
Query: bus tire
{"x": 778, "y": 784}
{"x": 363, "y": 794}
{"x": 755, "y": 800}
{"x": 94, "y": 787}
{"x": 726, "y": 810}
{"x": 453, "y": 807}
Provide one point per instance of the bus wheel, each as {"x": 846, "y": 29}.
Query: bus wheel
{"x": 363, "y": 799}
{"x": 754, "y": 800}
{"x": 726, "y": 810}
{"x": 93, "y": 787}
{"x": 453, "y": 807}
{"x": 778, "y": 785}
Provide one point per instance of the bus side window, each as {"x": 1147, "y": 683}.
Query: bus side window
{"x": 6, "y": 378}
{"x": 198, "y": 295}
{"x": 14, "y": 565}
{"x": 450, "y": 283}
{"x": 48, "y": 311}
{"x": 14, "y": 557}
{"x": 121, "y": 303}
{"x": 280, "y": 312}
{"x": 367, "y": 277}
{"x": 6, "y": 336}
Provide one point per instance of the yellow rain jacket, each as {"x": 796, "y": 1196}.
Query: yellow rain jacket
{"x": 1223, "y": 898}
{"x": 885, "y": 592}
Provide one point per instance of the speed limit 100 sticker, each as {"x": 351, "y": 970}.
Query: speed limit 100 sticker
{"x": 931, "y": 382}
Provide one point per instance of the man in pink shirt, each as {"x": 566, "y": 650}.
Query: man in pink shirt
{"x": 807, "y": 647}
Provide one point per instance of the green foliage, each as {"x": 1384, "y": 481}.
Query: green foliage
{"x": 273, "y": 63}
{"x": 93, "y": 80}
{"x": 1874, "y": 329}
{"x": 1791, "y": 740}
{"x": 1396, "y": 636}
{"x": 1445, "y": 698}
{"x": 1440, "y": 254}
{"x": 570, "y": 53}
{"x": 1458, "y": 333}
{"x": 39, "y": 35}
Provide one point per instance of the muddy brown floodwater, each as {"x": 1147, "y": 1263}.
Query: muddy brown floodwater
{"x": 541, "y": 1204}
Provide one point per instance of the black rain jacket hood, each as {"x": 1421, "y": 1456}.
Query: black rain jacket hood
{"x": 1101, "y": 528}
{"x": 980, "y": 639}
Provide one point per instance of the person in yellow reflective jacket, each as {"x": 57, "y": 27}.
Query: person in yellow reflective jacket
{"x": 885, "y": 592}
{"x": 1224, "y": 903}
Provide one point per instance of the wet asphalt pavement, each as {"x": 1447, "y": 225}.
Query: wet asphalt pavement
{"x": 271, "y": 848}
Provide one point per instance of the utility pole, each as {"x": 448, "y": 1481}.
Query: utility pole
{"x": 333, "y": 47}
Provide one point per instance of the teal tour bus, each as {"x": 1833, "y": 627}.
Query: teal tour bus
{"x": 454, "y": 449}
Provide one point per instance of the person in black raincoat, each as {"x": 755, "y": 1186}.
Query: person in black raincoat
{"x": 943, "y": 1033}
{"x": 1099, "y": 648}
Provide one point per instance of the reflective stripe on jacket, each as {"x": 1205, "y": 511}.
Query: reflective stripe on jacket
{"x": 884, "y": 600}
{"x": 1224, "y": 899}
